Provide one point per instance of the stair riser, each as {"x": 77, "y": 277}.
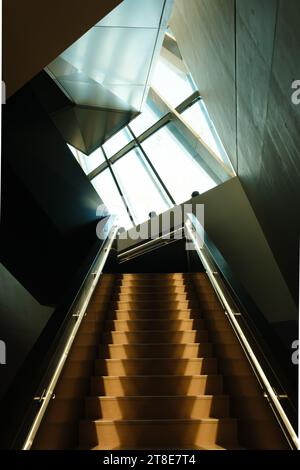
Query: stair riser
{"x": 153, "y": 337}
{"x": 166, "y": 433}
{"x": 153, "y": 297}
{"x": 153, "y": 315}
{"x": 150, "y": 290}
{"x": 161, "y": 325}
{"x": 156, "y": 385}
{"x": 156, "y": 350}
{"x": 91, "y": 339}
{"x": 156, "y": 407}
{"x": 156, "y": 367}
{"x": 153, "y": 305}
{"x": 153, "y": 285}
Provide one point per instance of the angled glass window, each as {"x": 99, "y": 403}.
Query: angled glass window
{"x": 117, "y": 142}
{"x": 180, "y": 172}
{"x": 198, "y": 119}
{"x": 88, "y": 163}
{"x": 149, "y": 116}
{"x": 140, "y": 188}
{"x": 108, "y": 192}
{"x": 171, "y": 82}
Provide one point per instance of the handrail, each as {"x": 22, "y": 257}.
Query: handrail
{"x": 195, "y": 232}
{"x": 78, "y": 312}
{"x": 148, "y": 246}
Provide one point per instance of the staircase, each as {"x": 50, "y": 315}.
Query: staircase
{"x": 156, "y": 365}
{"x": 156, "y": 383}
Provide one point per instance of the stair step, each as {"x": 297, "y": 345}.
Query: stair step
{"x": 153, "y": 407}
{"x": 157, "y": 385}
{"x": 153, "y": 305}
{"x": 158, "y": 290}
{"x": 157, "y": 324}
{"x": 152, "y": 297}
{"x": 150, "y": 336}
{"x": 140, "y": 337}
{"x": 157, "y": 366}
{"x": 155, "y": 283}
{"x": 126, "y": 351}
{"x": 153, "y": 314}
{"x": 109, "y": 434}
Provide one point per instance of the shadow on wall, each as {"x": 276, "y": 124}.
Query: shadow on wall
{"x": 48, "y": 213}
{"x": 22, "y": 319}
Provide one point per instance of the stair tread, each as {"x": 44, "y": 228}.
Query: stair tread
{"x": 156, "y": 397}
{"x": 150, "y": 331}
{"x": 156, "y": 421}
{"x": 156, "y": 376}
{"x": 155, "y": 359}
{"x": 156, "y": 344}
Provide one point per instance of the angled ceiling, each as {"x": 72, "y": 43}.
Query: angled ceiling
{"x": 82, "y": 126}
{"x": 110, "y": 65}
{"x": 35, "y": 32}
{"x": 105, "y": 74}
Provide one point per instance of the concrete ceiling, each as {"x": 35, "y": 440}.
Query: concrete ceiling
{"x": 35, "y": 32}
{"x": 244, "y": 56}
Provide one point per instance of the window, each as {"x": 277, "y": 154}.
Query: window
{"x": 118, "y": 141}
{"x": 139, "y": 185}
{"x": 108, "y": 192}
{"x": 149, "y": 116}
{"x": 172, "y": 83}
{"x": 176, "y": 167}
{"x": 164, "y": 168}
{"x": 198, "y": 118}
{"x": 88, "y": 163}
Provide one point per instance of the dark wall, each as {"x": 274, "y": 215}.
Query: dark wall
{"x": 35, "y": 33}
{"x": 22, "y": 319}
{"x": 244, "y": 56}
{"x": 48, "y": 212}
{"x": 171, "y": 258}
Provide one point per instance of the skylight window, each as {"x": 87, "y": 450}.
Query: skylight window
{"x": 115, "y": 143}
{"x": 159, "y": 159}
{"x": 140, "y": 187}
{"x": 147, "y": 118}
{"x": 172, "y": 83}
{"x": 108, "y": 192}
{"x": 176, "y": 166}
{"x": 88, "y": 163}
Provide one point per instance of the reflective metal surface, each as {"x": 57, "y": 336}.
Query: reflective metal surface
{"x": 108, "y": 70}
{"x": 111, "y": 64}
{"x": 87, "y": 128}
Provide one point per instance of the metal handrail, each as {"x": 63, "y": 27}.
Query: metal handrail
{"x": 150, "y": 245}
{"x": 195, "y": 232}
{"x": 78, "y": 313}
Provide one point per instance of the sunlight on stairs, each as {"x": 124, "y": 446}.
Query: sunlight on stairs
{"x": 156, "y": 365}
{"x": 156, "y": 382}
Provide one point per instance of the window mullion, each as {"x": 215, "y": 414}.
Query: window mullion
{"x": 119, "y": 188}
{"x": 163, "y": 190}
